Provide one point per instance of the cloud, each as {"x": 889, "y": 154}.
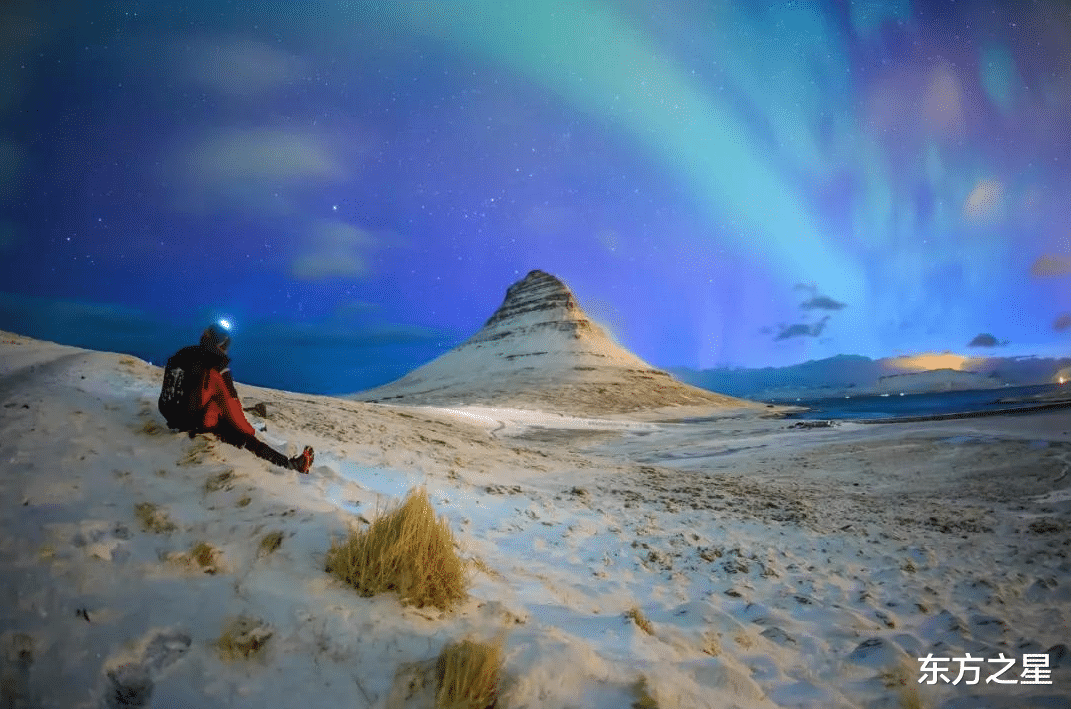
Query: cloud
{"x": 1061, "y": 323}
{"x": 817, "y": 301}
{"x": 253, "y": 169}
{"x": 822, "y": 302}
{"x": 237, "y": 66}
{"x": 1049, "y": 265}
{"x": 929, "y": 360}
{"x": 984, "y": 339}
{"x": 263, "y": 153}
{"x": 335, "y": 249}
{"x": 797, "y": 330}
{"x": 801, "y": 330}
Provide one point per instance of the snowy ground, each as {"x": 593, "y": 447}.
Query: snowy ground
{"x": 778, "y": 567}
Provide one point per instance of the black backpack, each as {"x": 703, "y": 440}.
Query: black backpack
{"x": 180, "y": 393}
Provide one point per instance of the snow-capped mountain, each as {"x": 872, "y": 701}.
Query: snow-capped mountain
{"x": 540, "y": 350}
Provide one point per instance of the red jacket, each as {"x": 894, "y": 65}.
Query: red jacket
{"x": 219, "y": 402}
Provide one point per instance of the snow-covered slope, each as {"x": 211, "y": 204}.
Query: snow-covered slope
{"x": 540, "y": 349}
{"x": 729, "y": 563}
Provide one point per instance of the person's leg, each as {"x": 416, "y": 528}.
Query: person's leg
{"x": 262, "y": 450}
{"x": 251, "y": 443}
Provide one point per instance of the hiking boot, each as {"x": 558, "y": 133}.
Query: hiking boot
{"x": 303, "y": 462}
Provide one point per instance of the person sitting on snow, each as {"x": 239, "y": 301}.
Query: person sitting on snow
{"x": 198, "y": 396}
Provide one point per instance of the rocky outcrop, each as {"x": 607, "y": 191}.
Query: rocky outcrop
{"x": 538, "y": 292}
{"x": 540, "y": 318}
{"x": 539, "y": 350}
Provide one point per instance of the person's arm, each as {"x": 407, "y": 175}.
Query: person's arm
{"x": 228, "y": 380}
{"x": 220, "y": 388}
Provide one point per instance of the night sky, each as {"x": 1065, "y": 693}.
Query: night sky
{"x": 355, "y": 184}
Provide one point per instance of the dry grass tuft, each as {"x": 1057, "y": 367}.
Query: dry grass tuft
{"x": 711, "y": 646}
{"x": 909, "y": 698}
{"x": 270, "y": 542}
{"x": 468, "y": 674}
{"x": 481, "y": 565}
{"x": 206, "y": 556}
{"x": 198, "y": 452}
{"x": 902, "y": 677}
{"x": 222, "y": 481}
{"x": 640, "y": 619}
{"x": 154, "y": 519}
{"x": 408, "y": 550}
{"x": 644, "y": 700}
{"x": 202, "y": 557}
{"x": 243, "y": 638}
{"x": 152, "y": 428}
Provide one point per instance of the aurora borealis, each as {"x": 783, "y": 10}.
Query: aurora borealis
{"x": 355, "y": 184}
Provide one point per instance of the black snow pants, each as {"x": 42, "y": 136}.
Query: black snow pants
{"x": 251, "y": 443}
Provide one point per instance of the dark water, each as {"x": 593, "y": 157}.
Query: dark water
{"x": 870, "y": 407}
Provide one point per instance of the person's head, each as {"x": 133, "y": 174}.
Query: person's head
{"x": 216, "y": 338}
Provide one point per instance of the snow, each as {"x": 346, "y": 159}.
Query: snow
{"x": 778, "y": 567}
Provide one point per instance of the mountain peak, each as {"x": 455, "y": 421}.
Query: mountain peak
{"x": 540, "y": 350}
{"x": 538, "y": 297}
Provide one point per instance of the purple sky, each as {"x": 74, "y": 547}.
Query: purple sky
{"x": 741, "y": 183}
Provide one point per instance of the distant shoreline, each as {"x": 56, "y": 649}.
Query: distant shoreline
{"x": 1065, "y": 404}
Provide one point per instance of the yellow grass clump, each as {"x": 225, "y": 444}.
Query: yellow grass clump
{"x": 153, "y": 518}
{"x": 644, "y": 700}
{"x": 206, "y": 557}
{"x": 222, "y": 481}
{"x": 711, "y": 646}
{"x": 201, "y": 557}
{"x": 637, "y": 617}
{"x": 901, "y": 679}
{"x": 270, "y": 542}
{"x": 151, "y": 428}
{"x": 406, "y": 549}
{"x": 243, "y": 638}
{"x": 468, "y": 674}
